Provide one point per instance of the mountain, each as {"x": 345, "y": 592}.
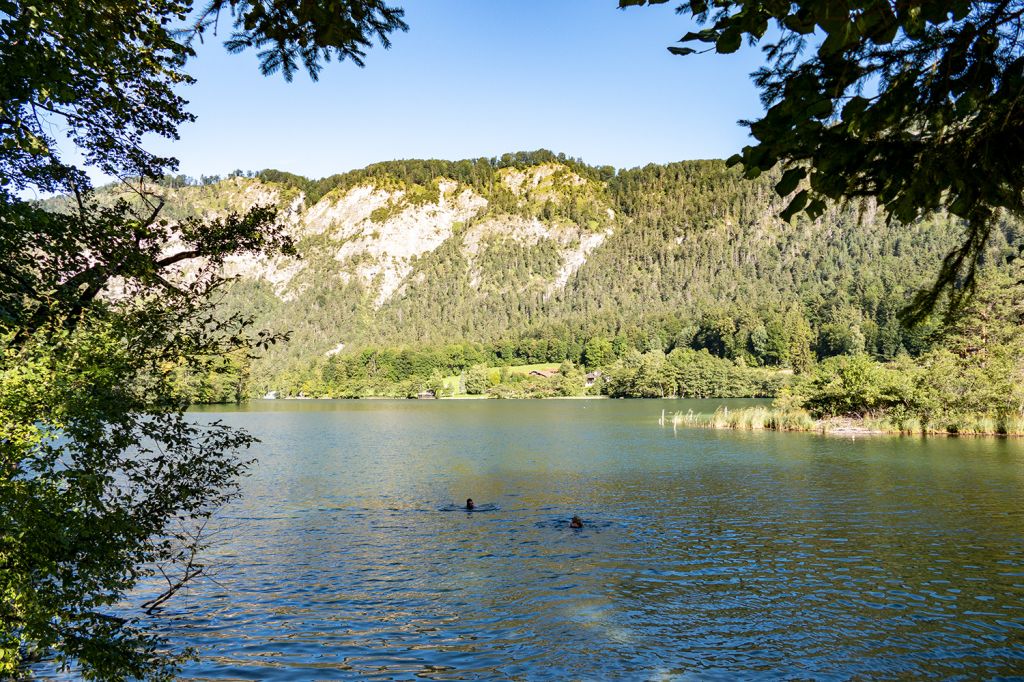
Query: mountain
{"x": 506, "y": 255}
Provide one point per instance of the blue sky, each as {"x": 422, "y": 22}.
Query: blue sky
{"x": 477, "y": 78}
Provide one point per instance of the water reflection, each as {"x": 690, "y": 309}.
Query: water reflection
{"x": 703, "y": 553}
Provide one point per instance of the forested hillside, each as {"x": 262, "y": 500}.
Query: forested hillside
{"x": 414, "y": 270}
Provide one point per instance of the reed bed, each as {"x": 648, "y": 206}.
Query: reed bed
{"x": 1014, "y": 425}
{"x": 746, "y": 419}
{"x": 773, "y": 419}
{"x": 981, "y": 425}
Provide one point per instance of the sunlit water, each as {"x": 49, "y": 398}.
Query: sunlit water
{"x": 704, "y": 553}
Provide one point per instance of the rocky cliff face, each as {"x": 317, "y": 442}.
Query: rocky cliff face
{"x": 374, "y": 234}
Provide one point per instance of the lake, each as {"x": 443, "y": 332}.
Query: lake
{"x": 707, "y": 554}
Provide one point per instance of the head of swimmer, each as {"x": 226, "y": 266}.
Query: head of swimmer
{"x": 469, "y": 503}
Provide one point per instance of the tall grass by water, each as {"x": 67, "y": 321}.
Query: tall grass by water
{"x": 748, "y": 419}
{"x": 763, "y": 418}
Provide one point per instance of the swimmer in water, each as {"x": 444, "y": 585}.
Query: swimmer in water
{"x": 469, "y": 504}
{"x": 576, "y": 522}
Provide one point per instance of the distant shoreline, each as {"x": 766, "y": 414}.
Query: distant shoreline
{"x": 485, "y": 397}
{"x": 472, "y": 397}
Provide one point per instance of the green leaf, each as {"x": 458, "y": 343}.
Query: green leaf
{"x": 822, "y": 108}
{"x": 681, "y": 51}
{"x": 840, "y": 39}
{"x": 854, "y": 108}
{"x": 705, "y": 36}
{"x": 795, "y": 206}
{"x": 833, "y": 17}
{"x": 729, "y": 41}
{"x": 815, "y": 208}
{"x": 802, "y": 22}
{"x": 790, "y": 179}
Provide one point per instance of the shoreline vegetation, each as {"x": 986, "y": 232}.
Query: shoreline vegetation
{"x": 760, "y": 418}
{"x": 966, "y": 374}
{"x": 770, "y": 418}
{"x": 969, "y": 381}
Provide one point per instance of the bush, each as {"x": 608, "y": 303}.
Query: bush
{"x": 855, "y": 386}
{"x": 477, "y": 380}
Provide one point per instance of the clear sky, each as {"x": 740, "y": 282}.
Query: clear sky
{"x": 477, "y": 78}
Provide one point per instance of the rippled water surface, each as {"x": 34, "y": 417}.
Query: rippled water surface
{"x": 704, "y": 553}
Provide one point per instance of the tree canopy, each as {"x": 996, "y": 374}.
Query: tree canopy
{"x": 103, "y": 480}
{"x": 312, "y": 32}
{"x": 914, "y": 104}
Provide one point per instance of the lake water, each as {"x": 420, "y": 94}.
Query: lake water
{"x": 704, "y": 553}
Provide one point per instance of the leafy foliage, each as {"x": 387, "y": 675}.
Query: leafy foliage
{"x": 106, "y": 91}
{"x": 286, "y": 32}
{"x": 100, "y": 467}
{"x": 856, "y": 386}
{"x": 972, "y": 381}
{"x": 101, "y": 474}
{"x": 915, "y": 104}
{"x": 687, "y": 374}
